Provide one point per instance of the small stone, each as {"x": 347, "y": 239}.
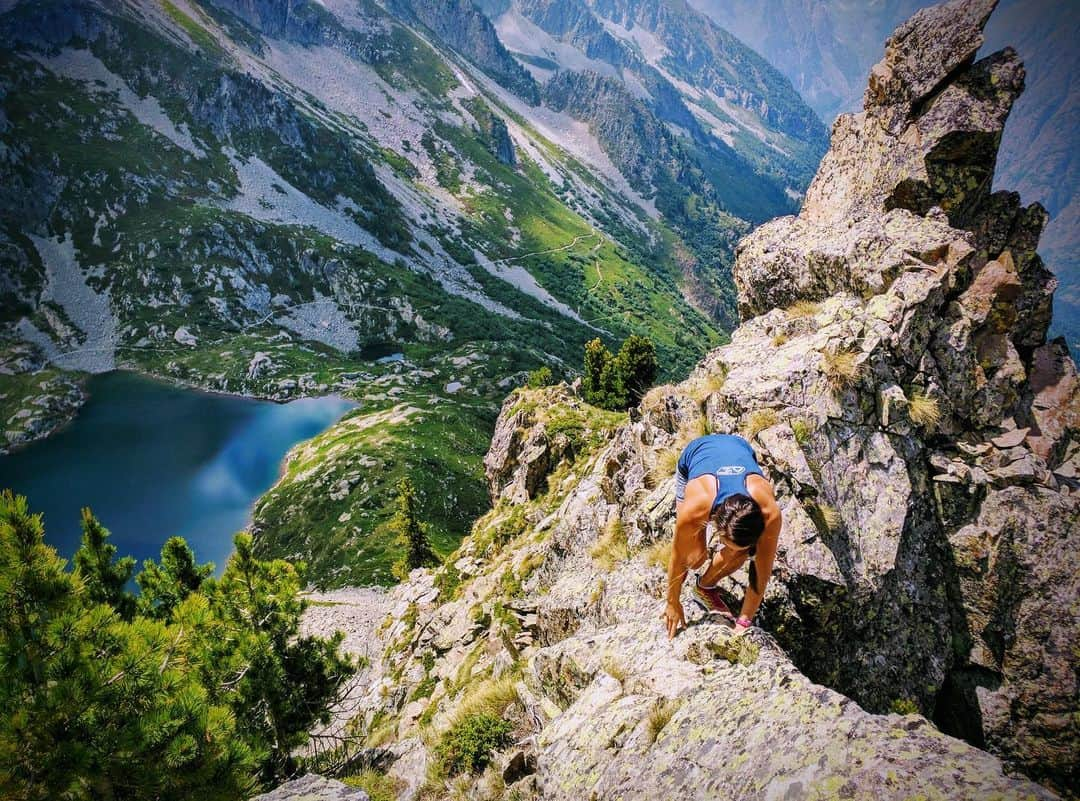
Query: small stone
{"x": 1067, "y": 470}
{"x": 978, "y": 449}
{"x": 1021, "y": 471}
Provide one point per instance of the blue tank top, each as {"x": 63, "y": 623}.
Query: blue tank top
{"x": 726, "y": 456}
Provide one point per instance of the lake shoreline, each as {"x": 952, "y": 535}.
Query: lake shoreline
{"x": 80, "y": 379}
{"x": 156, "y": 458}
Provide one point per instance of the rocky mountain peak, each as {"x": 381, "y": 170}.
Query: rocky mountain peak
{"x": 923, "y": 51}
{"x": 930, "y": 127}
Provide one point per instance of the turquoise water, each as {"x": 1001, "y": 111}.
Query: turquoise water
{"x": 153, "y": 460}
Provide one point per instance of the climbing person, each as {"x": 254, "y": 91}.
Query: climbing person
{"x": 719, "y": 485}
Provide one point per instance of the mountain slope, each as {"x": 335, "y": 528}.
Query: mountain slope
{"x": 339, "y": 210}
{"x": 284, "y": 197}
{"x": 734, "y": 109}
{"x": 713, "y": 134}
{"x": 824, "y": 46}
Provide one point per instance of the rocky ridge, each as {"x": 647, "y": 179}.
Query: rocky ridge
{"x": 893, "y": 376}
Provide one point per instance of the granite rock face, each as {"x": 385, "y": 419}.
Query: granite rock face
{"x": 602, "y": 704}
{"x": 936, "y": 472}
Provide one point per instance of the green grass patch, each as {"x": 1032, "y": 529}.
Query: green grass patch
{"x": 199, "y": 36}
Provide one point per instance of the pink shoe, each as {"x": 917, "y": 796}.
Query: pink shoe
{"x": 708, "y": 598}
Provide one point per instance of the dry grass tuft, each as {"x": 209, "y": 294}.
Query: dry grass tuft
{"x": 381, "y": 734}
{"x": 698, "y": 427}
{"x": 611, "y": 548}
{"x": 658, "y": 554}
{"x": 706, "y": 386}
{"x": 489, "y": 697}
{"x": 830, "y": 516}
{"x": 666, "y": 459}
{"x": 378, "y": 786}
{"x": 924, "y": 410}
{"x": 841, "y": 368}
{"x": 530, "y": 563}
{"x": 612, "y": 667}
{"x": 598, "y": 592}
{"x": 779, "y": 339}
{"x": 664, "y": 467}
{"x": 660, "y": 715}
{"x": 757, "y": 421}
{"x": 656, "y": 396}
{"x": 803, "y": 308}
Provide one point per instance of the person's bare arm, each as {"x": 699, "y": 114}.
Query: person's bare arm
{"x": 765, "y": 554}
{"x": 688, "y": 549}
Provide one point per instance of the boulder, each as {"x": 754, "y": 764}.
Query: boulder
{"x": 313, "y": 788}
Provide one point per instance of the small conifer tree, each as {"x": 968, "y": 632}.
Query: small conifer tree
{"x": 636, "y": 367}
{"x": 103, "y": 575}
{"x": 410, "y": 532}
{"x": 618, "y": 382}
{"x": 278, "y": 684}
{"x": 93, "y": 706}
{"x": 597, "y": 357}
{"x": 163, "y": 586}
{"x": 210, "y": 701}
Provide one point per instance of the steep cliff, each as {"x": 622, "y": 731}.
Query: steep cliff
{"x": 893, "y": 376}
{"x": 826, "y": 49}
{"x": 946, "y": 569}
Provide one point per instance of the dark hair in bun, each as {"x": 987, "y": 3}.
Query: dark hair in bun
{"x": 740, "y": 518}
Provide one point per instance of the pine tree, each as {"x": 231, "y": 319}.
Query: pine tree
{"x": 93, "y": 706}
{"x": 597, "y": 358}
{"x": 636, "y": 367}
{"x": 618, "y": 382}
{"x": 278, "y": 683}
{"x": 540, "y": 377}
{"x": 410, "y": 532}
{"x": 163, "y": 586}
{"x": 103, "y": 575}
{"x": 209, "y": 704}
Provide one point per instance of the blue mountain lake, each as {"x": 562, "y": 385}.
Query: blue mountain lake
{"x": 153, "y": 460}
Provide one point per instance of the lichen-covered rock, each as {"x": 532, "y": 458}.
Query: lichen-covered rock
{"x": 313, "y": 788}
{"x": 930, "y": 127}
{"x": 749, "y": 731}
{"x": 1016, "y": 570}
{"x": 607, "y": 707}
{"x": 514, "y": 465}
{"x": 911, "y": 353}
